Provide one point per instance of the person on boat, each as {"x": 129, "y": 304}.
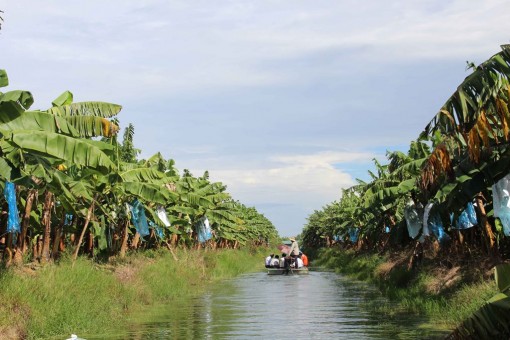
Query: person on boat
{"x": 294, "y": 249}
{"x": 275, "y": 262}
{"x": 283, "y": 263}
{"x": 304, "y": 258}
{"x": 268, "y": 260}
{"x": 299, "y": 263}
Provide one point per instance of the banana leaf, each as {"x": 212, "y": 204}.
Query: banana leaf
{"x": 92, "y": 126}
{"x": 71, "y": 189}
{"x": 5, "y": 170}
{"x": 197, "y": 200}
{"x": 143, "y": 175}
{"x": 221, "y": 216}
{"x": 147, "y": 192}
{"x": 36, "y": 120}
{"x": 100, "y": 109}
{"x": 66, "y": 148}
{"x": 502, "y": 277}
{"x": 24, "y": 98}
{"x": 4, "y": 80}
{"x": 99, "y": 232}
{"x": 15, "y": 102}
{"x": 65, "y": 98}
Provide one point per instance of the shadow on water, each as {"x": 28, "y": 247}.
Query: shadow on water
{"x": 321, "y": 305}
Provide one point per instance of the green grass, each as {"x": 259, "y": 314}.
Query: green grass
{"x": 84, "y": 297}
{"x": 61, "y": 299}
{"x": 360, "y": 267}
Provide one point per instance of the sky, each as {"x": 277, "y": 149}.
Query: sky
{"x": 285, "y": 102}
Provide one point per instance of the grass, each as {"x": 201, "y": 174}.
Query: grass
{"x": 60, "y": 299}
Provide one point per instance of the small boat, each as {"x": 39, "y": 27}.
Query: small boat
{"x": 289, "y": 271}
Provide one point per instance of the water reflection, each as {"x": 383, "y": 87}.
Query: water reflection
{"x": 317, "y": 306}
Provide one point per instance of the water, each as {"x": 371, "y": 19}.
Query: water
{"x": 320, "y": 305}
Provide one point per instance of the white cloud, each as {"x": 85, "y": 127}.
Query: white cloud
{"x": 324, "y": 159}
{"x": 288, "y": 188}
{"x": 291, "y": 178}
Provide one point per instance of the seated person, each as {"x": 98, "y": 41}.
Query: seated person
{"x": 299, "y": 263}
{"x": 275, "y": 262}
{"x": 268, "y": 260}
{"x": 282, "y": 260}
{"x": 304, "y": 258}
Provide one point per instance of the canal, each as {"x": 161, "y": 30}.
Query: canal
{"x": 321, "y": 305}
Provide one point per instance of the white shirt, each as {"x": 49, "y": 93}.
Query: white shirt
{"x": 275, "y": 262}
{"x": 299, "y": 262}
{"x": 268, "y": 260}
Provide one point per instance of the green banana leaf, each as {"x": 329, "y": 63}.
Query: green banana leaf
{"x": 38, "y": 170}
{"x": 197, "y": 200}
{"x": 143, "y": 175}
{"x": 148, "y": 192}
{"x": 15, "y": 102}
{"x": 99, "y": 231}
{"x": 107, "y": 148}
{"x": 502, "y": 277}
{"x": 183, "y": 209}
{"x": 100, "y": 109}
{"x": 65, "y": 98}
{"x": 92, "y": 126}
{"x": 66, "y": 148}
{"x": 221, "y": 216}
{"x": 5, "y": 170}
{"x": 4, "y": 80}
{"x": 73, "y": 190}
{"x": 59, "y": 184}
{"x": 36, "y": 120}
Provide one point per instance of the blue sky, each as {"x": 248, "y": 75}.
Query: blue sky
{"x": 285, "y": 102}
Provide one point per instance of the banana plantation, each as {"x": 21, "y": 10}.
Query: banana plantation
{"x": 449, "y": 188}
{"x": 71, "y": 186}
{"x": 448, "y": 196}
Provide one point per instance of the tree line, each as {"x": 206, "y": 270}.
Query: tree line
{"x": 71, "y": 186}
{"x": 440, "y": 192}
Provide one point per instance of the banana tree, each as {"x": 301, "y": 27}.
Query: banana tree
{"x": 471, "y": 134}
{"x": 48, "y": 139}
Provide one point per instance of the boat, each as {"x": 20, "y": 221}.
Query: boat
{"x": 289, "y": 271}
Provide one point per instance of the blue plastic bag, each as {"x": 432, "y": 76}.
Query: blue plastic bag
{"x": 432, "y": 221}
{"x": 353, "y": 234}
{"x": 467, "y": 218}
{"x": 203, "y": 230}
{"x": 138, "y": 218}
{"x": 501, "y": 202}
{"x": 13, "y": 225}
{"x": 413, "y": 219}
